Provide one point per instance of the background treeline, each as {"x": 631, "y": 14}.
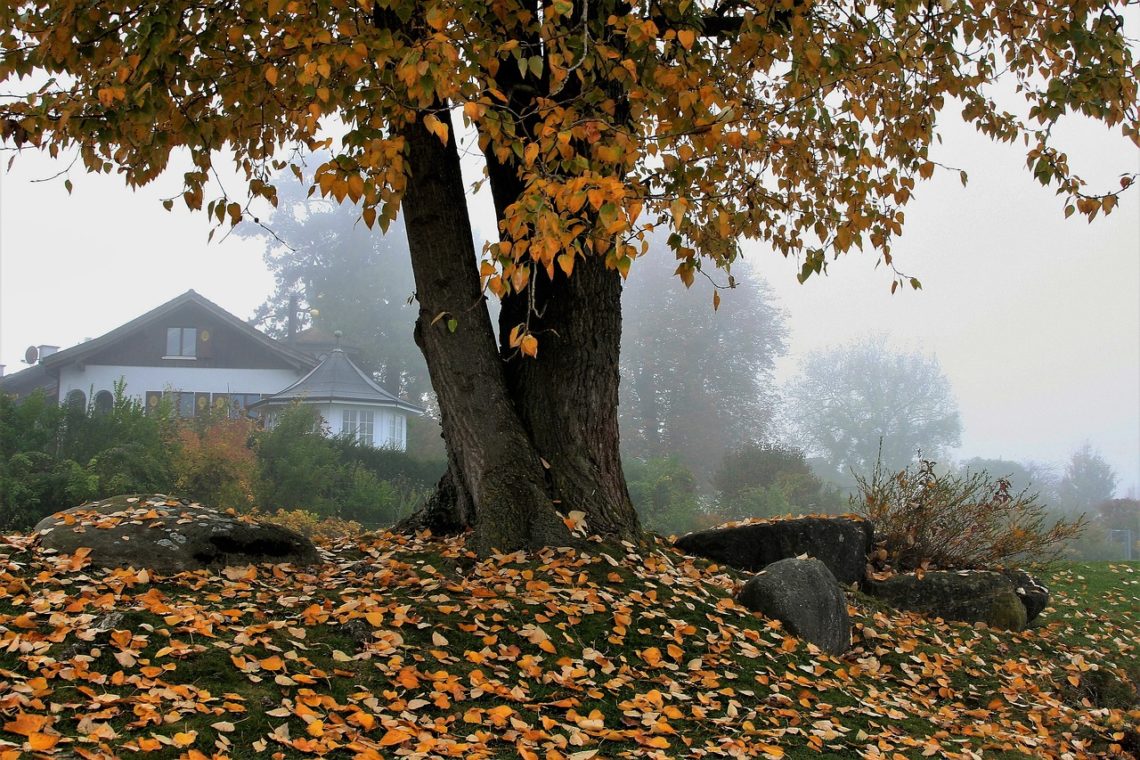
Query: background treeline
{"x": 53, "y": 457}
{"x": 711, "y": 432}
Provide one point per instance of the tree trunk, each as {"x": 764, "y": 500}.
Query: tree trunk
{"x": 568, "y": 395}
{"x": 496, "y": 480}
{"x": 565, "y": 401}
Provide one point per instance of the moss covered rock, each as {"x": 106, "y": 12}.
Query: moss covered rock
{"x": 168, "y": 535}
{"x": 970, "y": 596}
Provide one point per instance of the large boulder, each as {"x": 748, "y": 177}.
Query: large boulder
{"x": 971, "y": 596}
{"x": 841, "y": 543}
{"x": 168, "y": 536}
{"x": 806, "y": 598}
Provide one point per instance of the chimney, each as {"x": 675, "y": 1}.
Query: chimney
{"x": 46, "y": 351}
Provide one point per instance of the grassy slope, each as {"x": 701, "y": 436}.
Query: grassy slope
{"x": 409, "y": 648}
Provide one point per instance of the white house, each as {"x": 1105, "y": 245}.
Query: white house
{"x": 200, "y": 355}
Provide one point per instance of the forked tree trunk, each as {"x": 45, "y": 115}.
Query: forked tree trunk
{"x": 496, "y": 480}
{"x": 568, "y": 395}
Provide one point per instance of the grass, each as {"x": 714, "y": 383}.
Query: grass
{"x": 407, "y": 647}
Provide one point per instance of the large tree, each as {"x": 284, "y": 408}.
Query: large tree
{"x": 696, "y": 383}
{"x": 334, "y": 273}
{"x": 1087, "y": 482}
{"x": 857, "y": 404}
{"x": 803, "y": 124}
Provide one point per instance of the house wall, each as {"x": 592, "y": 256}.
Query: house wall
{"x": 95, "y": 377}
{"x": 389, "y": 430}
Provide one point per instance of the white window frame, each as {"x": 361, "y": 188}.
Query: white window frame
{"x": 184, "y": 333}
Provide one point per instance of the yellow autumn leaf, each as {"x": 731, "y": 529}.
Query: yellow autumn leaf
{"x": 436, "y": 127}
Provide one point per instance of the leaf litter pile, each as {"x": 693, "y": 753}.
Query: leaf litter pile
{"x": 411, "y": 648}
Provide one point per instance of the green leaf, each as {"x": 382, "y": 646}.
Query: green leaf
{"x": 452, "y": 324}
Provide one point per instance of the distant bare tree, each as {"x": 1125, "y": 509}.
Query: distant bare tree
{"x": 849, "y": 401}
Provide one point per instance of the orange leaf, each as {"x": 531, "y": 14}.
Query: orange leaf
{"x": 272, "y": 663}
{"x": 39, "y": 741}
{"x": 26, "y": 724}
{"x": 394, "y": 736}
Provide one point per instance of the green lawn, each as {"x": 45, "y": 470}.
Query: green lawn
{"x": 408, "y": 648}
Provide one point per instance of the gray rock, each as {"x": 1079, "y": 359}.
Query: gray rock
{"x": 841, "y": 543}
{"x": 1033, "y": 594}
{"x": 971, "y": 596}
{"x": 806, "y": 597}
{"x": 168, "y": 536}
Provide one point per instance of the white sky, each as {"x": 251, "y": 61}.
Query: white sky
{"x": 1034, "y": 318}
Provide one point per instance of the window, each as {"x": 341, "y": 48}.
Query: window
{"x": 104, "y": 401}
{"x": 76, "y": 401}
{"x": 394, "y": 431}
{"x": 358, "y": 425}
{"x": 181, "y": 342}
{"x": 239, "y": 403}
{"x": 364, "y": 432}
{"x": 185, "y": 404}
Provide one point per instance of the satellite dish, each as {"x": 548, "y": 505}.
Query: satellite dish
{"x": 31, "y": 355}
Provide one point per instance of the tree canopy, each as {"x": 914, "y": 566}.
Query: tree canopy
{"x": 803, "y": 124}
{"x": 697, "y": 383}
{"x": 859, "y": 404}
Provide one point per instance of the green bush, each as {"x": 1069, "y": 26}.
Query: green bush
{"x": 768, "y": 481}
{"x": 924, "y": 519}
{"x": 664, "y": 493}
{"x": 301, "y": 468}
{"x": 52, "y": 457}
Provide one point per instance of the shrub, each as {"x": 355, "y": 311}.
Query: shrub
{"x": 664, "y": 493}
{"x": 964, "y": 521}
{"x": 216, "y": 464}
{"x": 766, "y": 481}
{"x": 320, "y": 529}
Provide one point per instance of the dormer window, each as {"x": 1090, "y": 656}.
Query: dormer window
{"x": 181, "y": 343}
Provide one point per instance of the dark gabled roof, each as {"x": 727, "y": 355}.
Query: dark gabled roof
{"x": 337, "y": 379}
{"x": 298, "y": 359}
{"x": 24, "y": 382}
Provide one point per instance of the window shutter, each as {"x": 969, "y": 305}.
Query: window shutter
{"x": 205, "y": 344}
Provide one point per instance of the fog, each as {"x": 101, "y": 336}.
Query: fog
{"x": 1034, "y": 319}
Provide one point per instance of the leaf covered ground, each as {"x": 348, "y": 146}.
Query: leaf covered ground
{"x": 409, "y": 647}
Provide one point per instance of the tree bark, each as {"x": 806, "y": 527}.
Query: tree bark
{"x": 497, "y": 482}
{"x": 567, "y": 397}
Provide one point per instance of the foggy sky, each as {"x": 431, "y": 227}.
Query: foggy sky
{"x": 1034, "y": 318}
